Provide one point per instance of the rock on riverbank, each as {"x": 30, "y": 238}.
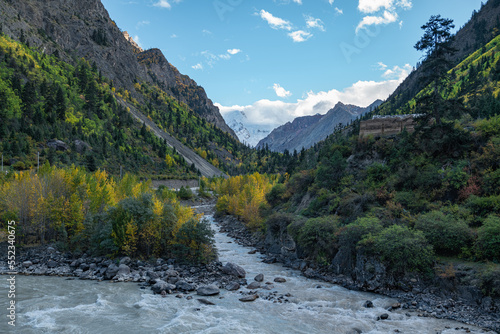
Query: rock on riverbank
{"x": 164, "y": 276}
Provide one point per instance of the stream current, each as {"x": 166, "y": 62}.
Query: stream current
{"x": 58, "y": 305}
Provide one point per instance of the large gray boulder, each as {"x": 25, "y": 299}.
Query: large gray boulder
{"x": 208, "y": 290}
{"x": 161, "y": 286}
{"x": 184, "y": 286}
{"x": 111, "y": 271}
{"x": 123, "y": 269}
{"x": 234, "y": 270}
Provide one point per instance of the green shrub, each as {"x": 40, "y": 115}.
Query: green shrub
{"x": 483, "y": 206}
{"x": 447, "y": 234}
{"x": 275, "y": 196}
{"x": 411, "y": 201}
{"x": 401, "y": 249}
{"x": 195, "y": 242}
{"x": 351, "y": 234}
{"x": 317, "y": 237}
{"x": 488, "y": 239}
{"x": 185, "y": 193}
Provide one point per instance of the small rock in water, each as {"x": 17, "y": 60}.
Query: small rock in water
{"x": 280, "y": 280}
{"x": 205, "y": 301}
{"x": 259, "y": 278}
{"x": 233, "y": 286}
{"x": 253, "y": 251}
{"x": 368, "y": 304}
{"x": 250, "y": 298}
{"x": 253, "y": 285}
{"x": 396, "y": 306}
{"x": 208, "y": 290}
{"x": 384, "y": 316}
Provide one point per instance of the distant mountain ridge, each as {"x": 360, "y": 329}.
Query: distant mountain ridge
{"x": 304, "y": 132}
{"x": 248, "y": 133}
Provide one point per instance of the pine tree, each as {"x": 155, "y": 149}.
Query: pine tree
{"x": 436, "y": 45}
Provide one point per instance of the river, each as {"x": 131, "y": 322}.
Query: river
{"x": 59, "y": 305}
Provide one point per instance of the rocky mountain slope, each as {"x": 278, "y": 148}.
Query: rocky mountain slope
{"x": 75, "y": 29}
{"x": 305, "y": 131}
{"x": 482, "y": 27}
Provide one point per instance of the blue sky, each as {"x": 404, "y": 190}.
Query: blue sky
{"x": 279, "y": 59}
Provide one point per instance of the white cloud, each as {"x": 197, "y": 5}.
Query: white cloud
{"x": 300, "y": 36}
{"x": 233, "y": 51}
{"x": 400, "y": 24}
{"x": 361, "y": 93}
{"x": 280, "y": 91}
{"x": 206, "y": 32}
{"x": 372, "y": 6}
{"x": 398, "y": 73}
{"x": 173, "y": 36}
{"x": 142, "y": 23}
{"x": 339, "y": 11}
{"x": 389, "y": 8}
{"x": 198, "y": 66}
{"x": 314, "y": 23}
{"x": 331, "y": 2}
{"x": 298, "y": 1}
{"x": 166, "y": 3}
{"x": 275, "y": 22}
{"x": 386, "y": 18}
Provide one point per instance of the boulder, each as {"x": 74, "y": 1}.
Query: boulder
{"x": 125, "y": 260}
{"x": 253, "y": 285}
{"x": 27, "y": 264}
{"x": 84, "y": 266}
{"x": 250, "y": 298}
{"x": 259, "y": 278}
{"x": 205, "y": 301}
{"x": 123, "y": 270}
{"x": 52, "y": 264}
{"x": 280, "y": 280}
{"x": 234, "y": 270}
{"x": 162, "y": 286}
{"x": 111, "y": 271}
{"x": 57, "y": 145}
{"x": 368, "y": 304}
{"x": 184, "y": 286}
{"x": 233, "y": 286}
{"x": 208, "y": 290}
{"x": 81, "y": 146}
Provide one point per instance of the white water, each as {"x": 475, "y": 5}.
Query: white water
{"x": 57, "y": 305}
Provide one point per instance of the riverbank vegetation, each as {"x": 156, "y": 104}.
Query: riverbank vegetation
{"x": 102, "y": 215}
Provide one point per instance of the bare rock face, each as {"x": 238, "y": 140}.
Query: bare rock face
{"x": 182, "y": 87}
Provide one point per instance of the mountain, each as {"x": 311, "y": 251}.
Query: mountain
{"x": 304, "y": 132}
{"x": 77, "y": 90}
{"x": 75, "y": 29}
{"x": 248, "y": 133}
{"x": 481, "y": 28}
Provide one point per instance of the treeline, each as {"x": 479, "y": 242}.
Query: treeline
{"x": 103, "y": 215}
{"x": 244, "y": 196}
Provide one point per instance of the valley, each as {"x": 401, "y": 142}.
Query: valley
{"x": 379, "y": 214}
